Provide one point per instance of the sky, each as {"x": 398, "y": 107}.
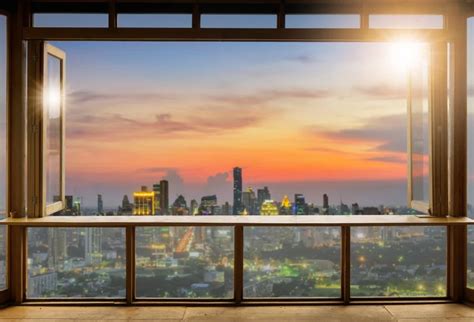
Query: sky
{"x": 298, "y": 117}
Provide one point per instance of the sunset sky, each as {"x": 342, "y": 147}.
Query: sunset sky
{"x": 299, "y": 117}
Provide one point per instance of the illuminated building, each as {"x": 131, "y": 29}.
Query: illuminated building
{"x": 300, "y": 205}
{"x": 100, "y": 204}
{"x": 194, "y": 207}
{"x": 93, "y": 245}
{"x": 262, "y": 195}
{"x": 249, "y": 201}
{"x": 269, "y": 208}
{"x": 208, "y": 205}
{"x": 77, "y": 206}
{"x": 156, "y": 190}
{"x": 164, "y": 199}
{"x": 285, "y": 206}
{"x": 237, "y": 206}
{"x": 144, "y": 203}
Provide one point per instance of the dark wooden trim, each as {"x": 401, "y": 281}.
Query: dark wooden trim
{"x": 180, "y": 34}
{"x": 346, "y": 264}
{"x": 238, "y": 263}
{"x": 130, "y": 264}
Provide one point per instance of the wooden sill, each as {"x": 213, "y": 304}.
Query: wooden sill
{"x": 126, "y": 221}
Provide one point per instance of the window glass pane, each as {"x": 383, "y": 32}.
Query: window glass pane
{"x": 238, "y": 21}
{"x": 76, "y": 263}
{"x": 3, "y": 148}
{"x": 292, "y": 262}
{"x": 155, "y": 20}
{"x": 406, "y": 21}
{"x": 420, "y": 131}
{"x": 184, "y": 262}
{"x": 321, "y": 21}
{"x": 470, "y": 256}
{"x": 70, "y": 20}
{"x": 52, "y": 126}
{"x": 470, "y": 117}
{"x": 398, "y": 261}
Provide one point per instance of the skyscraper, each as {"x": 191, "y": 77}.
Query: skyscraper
{"x": 164, "y": 198}
{"x": 100, "y": 204}
{"x": 237, "y": 206}
{"x": 156, "y": 190}
{"x": 249, "y": 201}
{"x": 300, "y": 205}
{"x": 325, "y": 204}
{"x": 262, "y": 195}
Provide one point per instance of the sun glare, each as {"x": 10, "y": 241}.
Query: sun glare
{"x": 406, "y": 54}
{"x": 53, "y": 101}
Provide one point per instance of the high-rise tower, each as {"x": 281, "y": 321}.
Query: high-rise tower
{"x": 164, "y": 198}
{"x": 237, "y": 206}
{"x": 100, "y": 204}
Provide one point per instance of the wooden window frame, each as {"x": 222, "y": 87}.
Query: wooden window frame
{"x": 455, "y": 13}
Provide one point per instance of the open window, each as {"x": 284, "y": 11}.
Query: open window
{"x": 419, "y": 138}
{"x": 46, "y": 138}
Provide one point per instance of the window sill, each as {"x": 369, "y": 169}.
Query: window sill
{"x": 125, "y": 221}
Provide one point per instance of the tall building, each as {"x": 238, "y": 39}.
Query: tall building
{"x": 127, "y": 207}
{"x": 180, "y": 207}
{"x": 144, "y": 202}
{"x": 237, "y": 206}
{"x": 164, "y": 197}
{"x": 156, "y": 190}
{"x": 100, "y": 204}
{"x": 262, "y": 195}
{"x": 300, "y": 205}
{"x": 249, "y": 201}
{"x": 325, "y": 204}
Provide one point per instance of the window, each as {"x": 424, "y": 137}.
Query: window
{"x": 184, "y": 262}
{"x": 154, "y": 21}
{"x": 406, "y": 21}
{"x": 292, "y": 262}
{"x": 70, "y": 20}
{"x": 398, "y": 262}
{"x": 76, "y": 263}
{"x": 3, "y": 149}
{"x": 274, "y": 115}
{"x": 238, "y": 21}
{"x": 322, "y": 21}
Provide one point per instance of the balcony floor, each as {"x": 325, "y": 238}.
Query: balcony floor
{"x": 355, "y": 313}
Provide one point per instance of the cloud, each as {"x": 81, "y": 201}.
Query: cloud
{"x": 387, "y": 133}
{"x": 157, "y": 170}
{"x": 203, "y": 121}
{"x": 301, "y": 58}
{"x": 388, "y": 158}
{"x": 266, "y": 96}
{"x": 82, "y": 97}
{"x": 383, "y": 91}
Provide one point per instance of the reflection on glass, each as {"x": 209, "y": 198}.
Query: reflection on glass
{"x": 70, "y": 20}
{"x": 52, "y": 110}
{"x": 470, "y": 117}
{"x": 76, "y": 262}
{"x": 322, "y": 21}
{"x": 292, "y": 262}
{"x": 420, "y": 135}
{"x": 238, "y": 21}
{"x": 398, "y": 261}
{"x": 3, "y": 148}
{"x": 184, "y": 262}
{"x": 470, "y": 256}
{"x": 154, "y": 20}
{"x": 406, "y": 21}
